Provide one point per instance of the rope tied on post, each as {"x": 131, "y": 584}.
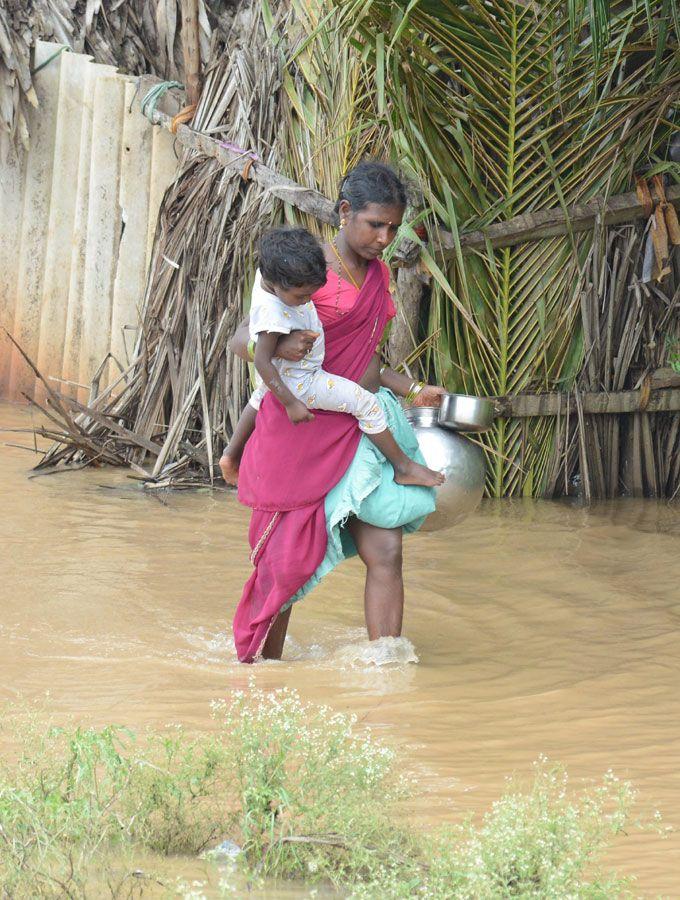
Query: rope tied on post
{"x": 151, "y": 98}
{"x": 183, "y": 117}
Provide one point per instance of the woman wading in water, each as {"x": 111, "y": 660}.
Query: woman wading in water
{"x": 320, "y": 491}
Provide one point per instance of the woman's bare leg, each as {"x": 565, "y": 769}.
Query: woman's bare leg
{"x": 273, "y": 646}
{"x": 380, "y": 551}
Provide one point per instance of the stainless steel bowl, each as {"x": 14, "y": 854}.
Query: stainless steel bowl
{"x": 461, "y": 461}
{"x": 463, "y": 413}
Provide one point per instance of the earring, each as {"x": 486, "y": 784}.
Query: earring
{"x": 343, "y": 222}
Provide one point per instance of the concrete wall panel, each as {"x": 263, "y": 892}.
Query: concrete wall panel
{"x": 135, "y": 182}
{"x": 34, "y": 236}
{"x": 104, "y": 222}
{"x": 61, "y": 218}
{"x": 78, "y": 217}
{"x": 12, "y": 179}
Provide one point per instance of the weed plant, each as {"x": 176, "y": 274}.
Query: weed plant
{"x": 300, "y": 792}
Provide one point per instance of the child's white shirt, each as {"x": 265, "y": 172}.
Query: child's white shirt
{"x": 307, "y": 379}
{"x": 269, "y": 313}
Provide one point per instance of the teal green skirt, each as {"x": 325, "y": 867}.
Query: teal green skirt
{"x": 369, "y": 492}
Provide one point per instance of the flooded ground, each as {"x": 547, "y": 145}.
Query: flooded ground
{"x": 540, "y": 628}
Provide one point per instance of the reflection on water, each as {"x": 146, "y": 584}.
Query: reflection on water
{"x": 536, "y": 628}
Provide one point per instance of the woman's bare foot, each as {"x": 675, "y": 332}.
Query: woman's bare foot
{"x": 229, "y": 468}
{"x": 413, "y": 473}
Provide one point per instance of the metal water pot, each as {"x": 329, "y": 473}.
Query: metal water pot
{"x": 458, "y": 458}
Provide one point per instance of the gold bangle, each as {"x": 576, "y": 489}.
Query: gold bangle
{"x": 413, "y": 391}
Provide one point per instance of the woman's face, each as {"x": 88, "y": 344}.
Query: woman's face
{"x": 372, "y": 228}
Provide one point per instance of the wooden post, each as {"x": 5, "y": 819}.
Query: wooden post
{"x": 544, "y": 223}
{"x": 403, "y": 338}
{"x": 191, "y": 50}
{"x": 306, "y": 199}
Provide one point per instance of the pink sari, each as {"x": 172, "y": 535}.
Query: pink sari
{"x": 287, "y": 470}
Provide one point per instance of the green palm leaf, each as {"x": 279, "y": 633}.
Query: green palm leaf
{"x": 331, "y": 117}
{"x": 502, "y": 108}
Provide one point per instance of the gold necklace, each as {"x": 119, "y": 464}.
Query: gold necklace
{"x": 335, "y": 250}
{"x": 343, "y": 263}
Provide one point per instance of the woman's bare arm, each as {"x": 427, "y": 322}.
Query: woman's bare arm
{"x": 239, "y": 342}
{"x": 427, "y": 395}
{"x": 397, "y": 383}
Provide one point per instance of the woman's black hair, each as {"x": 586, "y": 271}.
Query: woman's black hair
{"x": 371, "y": 182}
{"x": 291, "y": 257}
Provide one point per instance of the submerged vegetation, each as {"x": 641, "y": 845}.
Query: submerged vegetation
{"x": 300, "y": 793}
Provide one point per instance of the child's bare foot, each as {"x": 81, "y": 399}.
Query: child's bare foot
{"x": 414, "y": 473}
{"x": 229, "y": 468}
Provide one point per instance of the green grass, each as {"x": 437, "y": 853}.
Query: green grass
{"x": 301, "y": 792}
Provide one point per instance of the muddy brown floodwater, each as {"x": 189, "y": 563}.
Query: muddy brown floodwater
{"x": 540, "y": 627}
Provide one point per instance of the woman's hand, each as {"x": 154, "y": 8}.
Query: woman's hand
{"x": 296, "y": 345}
{"x": 431, "y": 395}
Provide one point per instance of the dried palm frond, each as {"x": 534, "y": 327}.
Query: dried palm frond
{"x": 631, "y": 335}
{"x": 179, "y": 400}
{"x": 327, "y": 103}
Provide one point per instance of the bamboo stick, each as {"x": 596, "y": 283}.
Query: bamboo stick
{"x": 190, "y": 49}
{"x": 306, "y": 199}
{"x": 525, "y": 405}
{"x": 553, "y": 222}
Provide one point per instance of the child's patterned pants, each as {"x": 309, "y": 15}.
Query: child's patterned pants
{"x": 320, "y": 390}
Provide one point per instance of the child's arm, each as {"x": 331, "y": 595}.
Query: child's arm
{"x": 264, "y": 351}
{"x": 294, "y": 346}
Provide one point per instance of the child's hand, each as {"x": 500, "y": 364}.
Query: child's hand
{"x": 296, "y": 345}
{"x": 298, "y": 412}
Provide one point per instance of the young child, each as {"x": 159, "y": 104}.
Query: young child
{"x": 292, "y": 268}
